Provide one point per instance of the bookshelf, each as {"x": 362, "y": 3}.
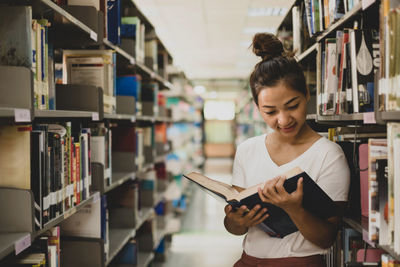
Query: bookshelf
{"x": 362, "y": 126}
{"x": 69, "y": 30}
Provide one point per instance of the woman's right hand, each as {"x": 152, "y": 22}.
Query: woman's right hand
{"x": 238, "y": 221}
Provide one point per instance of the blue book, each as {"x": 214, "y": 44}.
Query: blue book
{"x": 114, "y": 21}
{"x": 129, "y": 86}
{"x": 128, "y": 254}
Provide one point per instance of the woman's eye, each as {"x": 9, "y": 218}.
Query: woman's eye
{"x": 269, "y": 112}
{"x": 293, "y": 107}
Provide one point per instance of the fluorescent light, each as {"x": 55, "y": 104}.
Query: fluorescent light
{"x": 199, "y": 89}
{"x": 266, "y": 11}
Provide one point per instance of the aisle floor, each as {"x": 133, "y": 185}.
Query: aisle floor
{"x": 203, "y": 240}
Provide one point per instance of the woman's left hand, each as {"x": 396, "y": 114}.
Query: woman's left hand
{"x": 274, "y": 193}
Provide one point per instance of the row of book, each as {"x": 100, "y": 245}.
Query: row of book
{"x": 320, "y": 14}
{"x": 128, "y": 32}
{"x": 351, "y": 250}
{"x": 55, "y": 162}
{"x": 44, "y": 251}
{"x": 389, "y": 99}
{"x": 383, "y": 187}
{"x": 26, "y": 43}
{"x": 348, "y": 66}
{"x": 374, "y": 193}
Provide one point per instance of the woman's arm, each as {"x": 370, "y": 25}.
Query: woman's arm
{"x": 318, "y": 231}
{"x": 238, "y": 221}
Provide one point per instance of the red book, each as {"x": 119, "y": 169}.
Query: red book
{"x": 78, "y": 172}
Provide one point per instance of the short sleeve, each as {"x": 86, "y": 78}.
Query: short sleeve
{"x": 238, "y": 175}
{"x": 334, "y": 177}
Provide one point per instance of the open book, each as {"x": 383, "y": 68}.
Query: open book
{"x": 278, "y": 223}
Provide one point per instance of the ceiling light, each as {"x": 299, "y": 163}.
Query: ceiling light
{"x": 199, "y": 89}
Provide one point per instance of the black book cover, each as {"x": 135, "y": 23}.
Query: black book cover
{"x": 36, "y": 176}
{"x": 279, "y": 224}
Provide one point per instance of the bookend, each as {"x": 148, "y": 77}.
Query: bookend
{"x": 20, "y": 79}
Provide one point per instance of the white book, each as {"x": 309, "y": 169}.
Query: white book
{"x": 353, "y": 61}
{"x": 396, "y": 174}
{"x": 296, "y": 30}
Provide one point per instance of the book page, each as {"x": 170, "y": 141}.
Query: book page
{"x": 254, "y": 189}
{"x": 219, "y": 187}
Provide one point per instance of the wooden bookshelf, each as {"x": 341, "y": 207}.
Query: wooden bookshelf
{"x": 144, "y": 258}
{"x": 118, "y": 178}
{"x": 128, "y": 117}
{"x": 390, "y": 115}
{"x": 340, "y": 118}
{"x": 307, "y": 52}
{"x": 44, "y": 6}
{"x": 65, "y": 114}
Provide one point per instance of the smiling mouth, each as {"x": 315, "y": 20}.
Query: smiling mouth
{"x": 287, "y": 129}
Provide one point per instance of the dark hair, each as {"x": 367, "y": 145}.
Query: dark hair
{"x": 276, "y": 66}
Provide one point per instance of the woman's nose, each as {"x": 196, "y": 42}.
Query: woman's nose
{"x": 283, "y": 119}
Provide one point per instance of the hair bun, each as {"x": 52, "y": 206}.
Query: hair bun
{"x": 267, "y": 45}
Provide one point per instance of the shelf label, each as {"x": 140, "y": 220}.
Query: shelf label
{"x": 95, "y": 116}
{"x": 96, "y": 197}
{"x": 132, "y": 61}
{"x": 152, "y": 75}
{"x": 133, "y": 119}
{"x": 22, "y": 115}
{"x": 93, "y": 36}
{"x": 369, "y": 118}
{"x": 22, "y": 244}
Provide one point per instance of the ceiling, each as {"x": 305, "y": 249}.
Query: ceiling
{"x": 209, "y": 39}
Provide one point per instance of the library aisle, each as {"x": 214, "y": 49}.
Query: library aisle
{"x": 203, "y": 240}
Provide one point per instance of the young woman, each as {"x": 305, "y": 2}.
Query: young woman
{"x": 279, "y": 90}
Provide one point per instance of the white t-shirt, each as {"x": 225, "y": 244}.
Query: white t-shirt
{"x": 324, "y": 161}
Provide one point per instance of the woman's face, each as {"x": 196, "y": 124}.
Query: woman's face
{"x": 283, "y": 109}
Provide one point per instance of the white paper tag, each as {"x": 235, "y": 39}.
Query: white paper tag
{"x": 133, "y": 119}
{"x": 22, "y": 115}
{"x": 93, "y": 36}
{"x": 96, "y": 197}
{"x": 46, "y": 202}
{"x": 132, "y": 61}
{"x": 70, "y": 190}
{"x": 22, "y": 244}
{"x": 107, "y": 173}
{"x": 53, "y": 198}
{"x": 349, "y": 94}
{"x": 369, "y": 117}
{"x": 95, "y": 116}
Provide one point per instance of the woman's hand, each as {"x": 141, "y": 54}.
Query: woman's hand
{"x": 274, "y": 193}
{"x": 238, "y": 221}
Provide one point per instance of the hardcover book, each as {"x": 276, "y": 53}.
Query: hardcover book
{"x": 278, "y": 224}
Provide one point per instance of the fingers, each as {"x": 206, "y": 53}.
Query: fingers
{"x": 228, "y": 209}
{"x": 279, "y": 186}
{"x": 270, "y": 189}
{"x": 255, "y": 215}
{"x": 260, "y": 220}
{"x": 299, "y": 189}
